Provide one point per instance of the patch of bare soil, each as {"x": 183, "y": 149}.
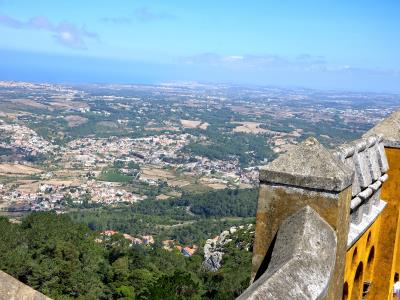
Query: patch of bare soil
{"x": 249, "y": 127}
{"x": 18, "y": 169}
{"x": 74, "y": 121}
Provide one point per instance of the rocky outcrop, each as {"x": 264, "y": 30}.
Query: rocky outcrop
{"x": 12, "y": 289}
{"x": 214, "y": 248}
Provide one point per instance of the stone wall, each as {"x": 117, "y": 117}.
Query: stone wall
{"x": 343, "y": 187}
{"x": 308, "y": 175}
{"x": 367, "y": 158}
{"x": 12, "y": 289}
{"x": 302, "y": 260}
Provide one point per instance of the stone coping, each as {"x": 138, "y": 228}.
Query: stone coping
{"x": 302, "y": 260}
{"x": 309, "y": 165}
{"x": 389, "y": 128}
{"x": 357, "y": 230}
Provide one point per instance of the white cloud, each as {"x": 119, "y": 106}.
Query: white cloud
{"x": 65, "y": 33}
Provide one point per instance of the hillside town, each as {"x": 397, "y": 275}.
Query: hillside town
{"x": 154, "y": 159}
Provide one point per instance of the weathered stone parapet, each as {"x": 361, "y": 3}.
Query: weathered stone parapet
{"x": 309, "y": 166}
{"x": 302, "y": 261}
{"x": 387, "y": 258}
{"x": 309, "y": 175}
{"x": 389, "y": 128}
{"x": 344, "y": 187}
{"x": 12, "y": 289}
{"x": 367, "y": 158}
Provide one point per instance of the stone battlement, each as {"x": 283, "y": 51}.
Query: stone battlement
{"x": 352, "y": 190}
{"x": 367, "y": 158}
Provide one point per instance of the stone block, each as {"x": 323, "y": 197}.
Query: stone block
{"x": 12, "y": 289}
{"x": 372, "y": 153}
{"x": 382, "y": 159}
{"x": 376, "y": 197}
{"x": 346, "y": 155}
{"x": 302, "y": 260}
{"x": 367, "y": 206}
{"x": 356, "y": 216}
{"x": 308, "y": 165}
{"x": 362, "y": 165}
{"x": 355, "y": 203}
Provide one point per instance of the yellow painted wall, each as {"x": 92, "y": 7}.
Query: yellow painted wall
{"x": 391, "y": 194}
{"x": 385, "y": 237}
{"x": 361, "y": 262}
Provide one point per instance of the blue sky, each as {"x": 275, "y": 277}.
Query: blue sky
{"x": 351, "y": 45}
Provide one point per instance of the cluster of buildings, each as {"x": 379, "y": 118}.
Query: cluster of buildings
{"x": 91, "y": 155}
{"x": 222, "y": 171}
{"x": 142, "y": 240}
{"x": 163, "y": 151}
{"x": 108, "y": 193}
{"x": 56, "y": 196}
{"x": 168, "y": 245}
{"x": 42, "y": 200}
{"x": 187, "y": 251}
{"x": 24, "y": 139}
{"x": 92, "y": 151}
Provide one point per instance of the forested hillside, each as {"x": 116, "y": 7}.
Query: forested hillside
{"x": 191, "y": 218}
{"x": 62, "y": 259}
